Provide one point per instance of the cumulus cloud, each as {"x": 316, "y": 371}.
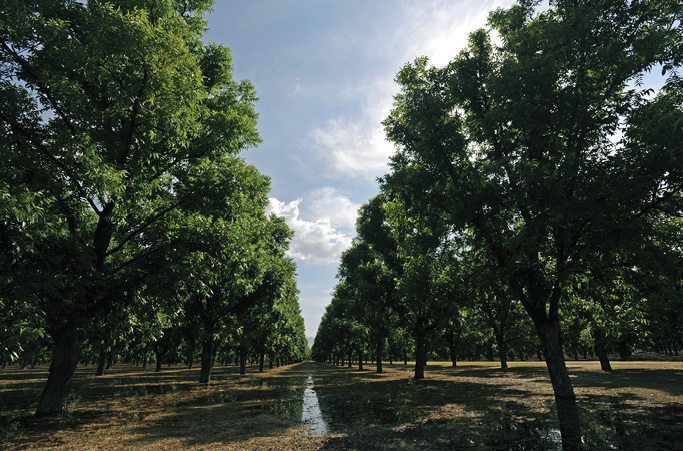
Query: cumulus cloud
{"x": 318, "y": 241}
{"x": 330, "y": 203}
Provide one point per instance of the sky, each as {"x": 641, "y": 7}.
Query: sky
{"x": 324, "y": 73}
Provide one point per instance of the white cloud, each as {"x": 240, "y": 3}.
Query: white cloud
{"x": 440, "y": 28}
{"x": 316, "y": 241}
{"x": 356, "y": 148}
{"x": 328, "y": 202}
{"x": 353, "y": 149}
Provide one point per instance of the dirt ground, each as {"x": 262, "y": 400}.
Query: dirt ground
{"x": 475, "y": 405}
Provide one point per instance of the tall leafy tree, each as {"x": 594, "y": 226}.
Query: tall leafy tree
{"x": 105, "y": 107}
{"x": 521, "y": 143}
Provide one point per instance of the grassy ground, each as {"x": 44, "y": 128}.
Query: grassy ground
{"x": 474, "y": 406}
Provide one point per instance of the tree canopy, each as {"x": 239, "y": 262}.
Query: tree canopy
{"x": 122, "y": 190}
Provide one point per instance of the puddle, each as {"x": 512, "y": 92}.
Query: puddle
{"x": 311, "y": 415}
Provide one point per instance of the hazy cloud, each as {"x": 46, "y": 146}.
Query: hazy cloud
{"x": 353, "y": 149}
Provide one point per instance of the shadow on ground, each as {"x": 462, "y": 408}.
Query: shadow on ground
{"x": 469, "y": 407}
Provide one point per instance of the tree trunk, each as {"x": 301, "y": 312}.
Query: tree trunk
{"x": 261, "y": 360}
{"x": 624, "y": 349}
{"x": 207, "y": 359}
{"x": 144, "y": 358}
{"x": 502, "y": 353}
{"x": 55, "y": 396}
{"x": 350, "y": 359}
{"x": 190, "y": 355}
{"x": 565, "y": 400}
{"x": 100, "y": 362}
{"x": 451, "y": 348}
{"x": 243, "y": 358}
{"x": 157, "y": 356}
{"x": 360, "y": 359}
{"x": 420, "y": 355}
{"x": 600, "y": 349}
{"x": 380, "y": 346}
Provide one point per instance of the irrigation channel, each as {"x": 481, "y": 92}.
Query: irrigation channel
{"x": 311, "y": 415}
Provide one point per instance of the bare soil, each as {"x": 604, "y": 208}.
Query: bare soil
{"x": 475, "y": 405}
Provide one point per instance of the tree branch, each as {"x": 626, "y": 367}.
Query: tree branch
{"x": 37, "y": 142}
{"x": 41, "y": 87}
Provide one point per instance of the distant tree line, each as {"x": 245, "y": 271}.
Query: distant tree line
{"x": 534, "y": 202}
{"x": 130, "y": 229}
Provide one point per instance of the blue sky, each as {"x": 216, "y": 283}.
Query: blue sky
{"x": 324, "y": 71}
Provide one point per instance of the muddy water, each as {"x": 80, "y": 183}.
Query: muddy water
{"x": 311, "y": 415}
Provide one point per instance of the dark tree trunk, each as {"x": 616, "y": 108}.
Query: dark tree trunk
{"x": 380, "y": 348}
{"x": 350, "y": 359}
{"x": 190, "y": 354}
{"x": 502, "y": 352}
{"x": 157, "y": 356}
{"x": 101, "y": 361}
{"x": 624, "y": 349}
{"x": 420, "y": 355}
{"x": 144, "y": 357}
{"x": 261, "y": 360}
{"x": 360, "y": 359}
{"x": 55, "y": 396}
{"x": 207, "y": 359}
{"x": 451, "y": 347}
{"x": 243, "y": 358}
{"x": 565, "y": 399}
{"x": 110, "y": 359}
{"x": 600, "y": 349}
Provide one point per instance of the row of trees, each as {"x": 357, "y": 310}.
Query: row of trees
{"x": 128, "y": 223}
{"x": 535, "y": 172}
{"x": 465, "y": 311}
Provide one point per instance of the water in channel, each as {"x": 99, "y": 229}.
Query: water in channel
{"x": 311, "y": 415}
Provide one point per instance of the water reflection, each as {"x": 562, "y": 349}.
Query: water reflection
{"x": 311, "y": 415}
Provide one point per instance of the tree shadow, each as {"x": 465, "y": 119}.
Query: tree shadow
{"x": 666, "y": 380}
{"x": 468, "y": 407}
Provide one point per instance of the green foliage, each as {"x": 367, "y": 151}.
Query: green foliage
{"x": 127, "y": 219}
